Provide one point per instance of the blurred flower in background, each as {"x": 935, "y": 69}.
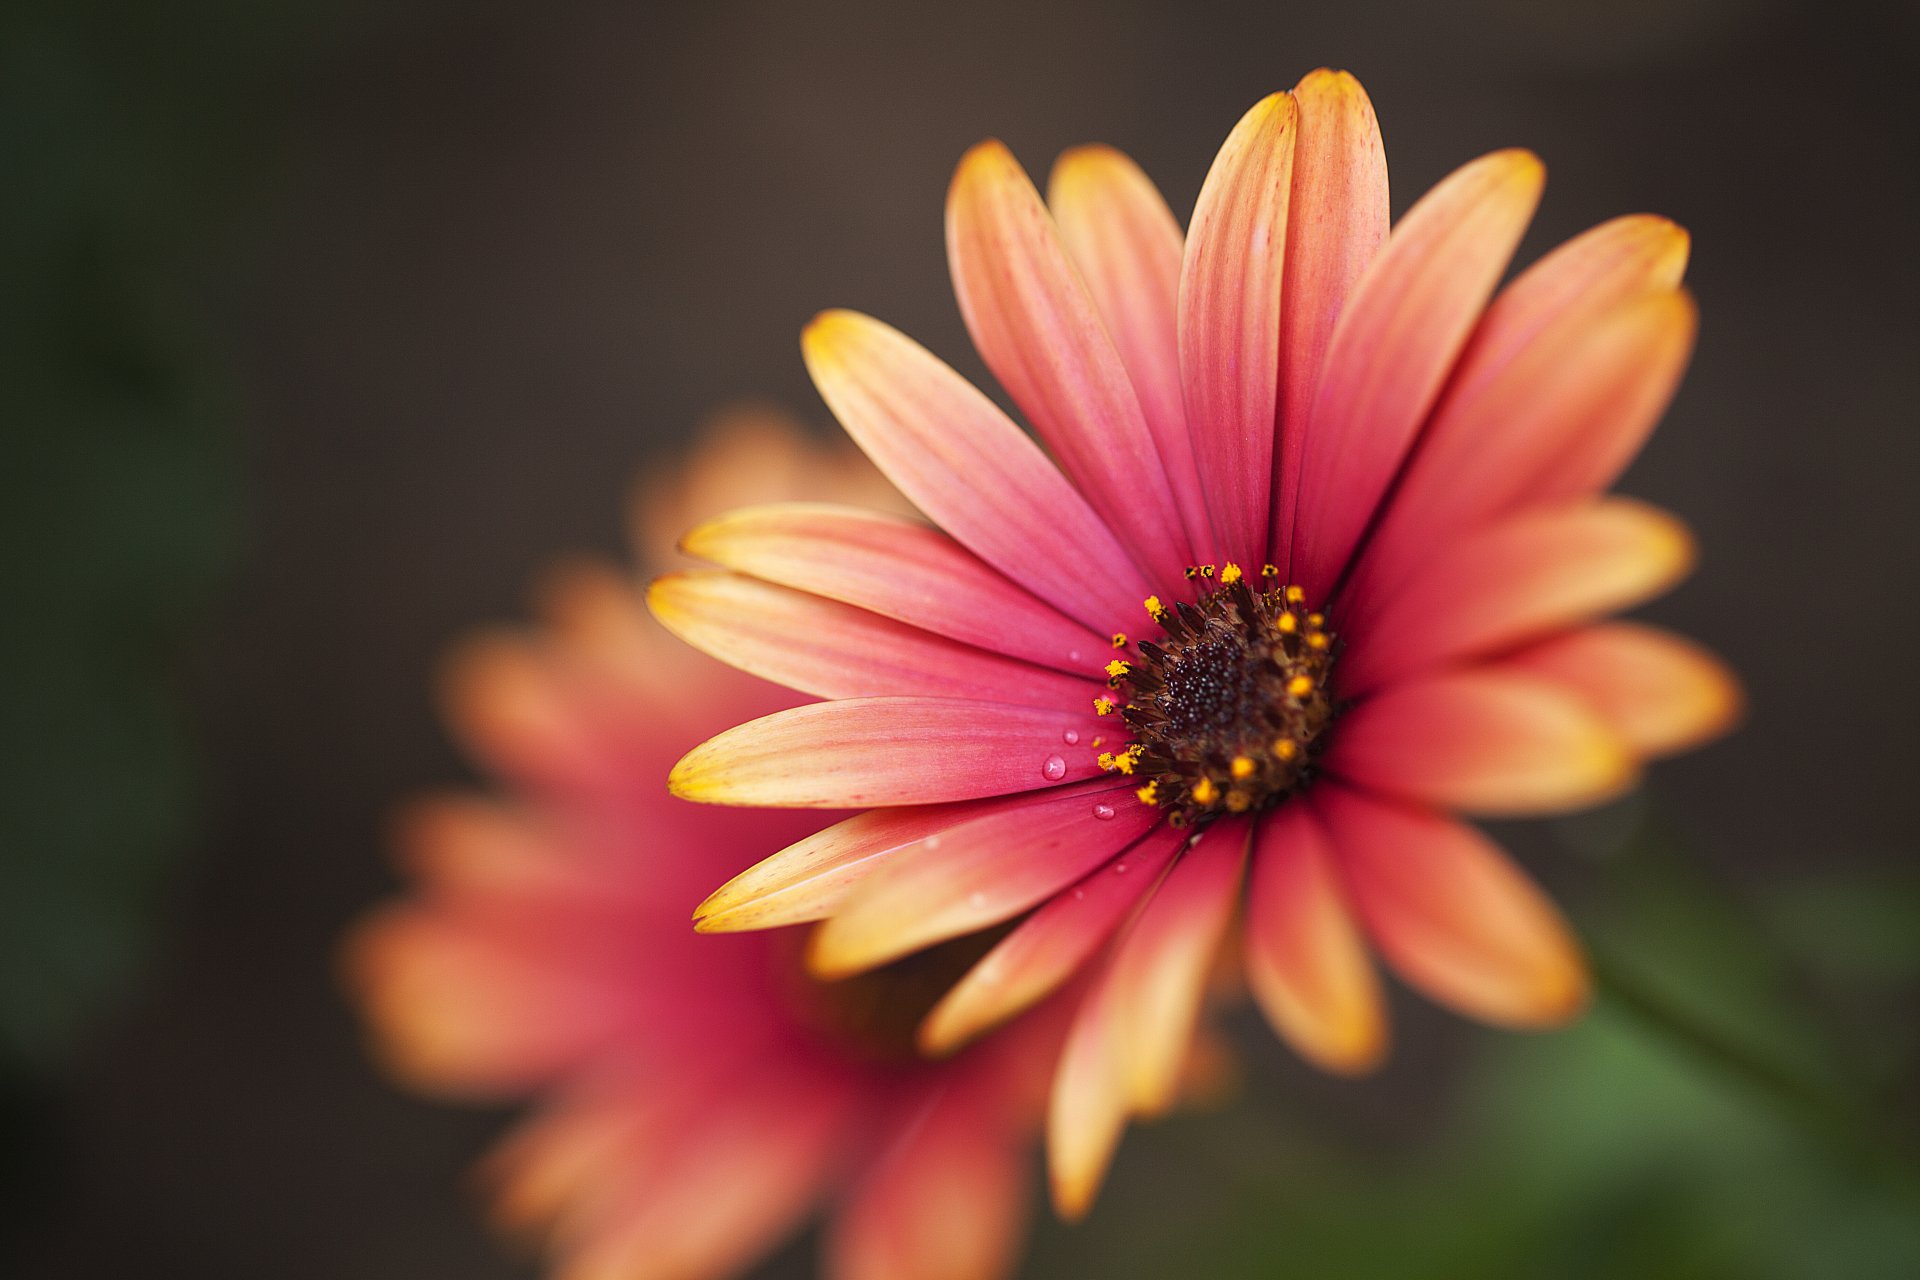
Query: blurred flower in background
{"x": 1356, "y": 508}
{"x": 696, "y": 1096}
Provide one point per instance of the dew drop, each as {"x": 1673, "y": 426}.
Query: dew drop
{"x": 1071, "y": 737}
{"x": 1054, "y": 769}
{"x": 1073, "y": 655}
{"x": 1103, "y": 811}
{"x": 1119, "y": 868}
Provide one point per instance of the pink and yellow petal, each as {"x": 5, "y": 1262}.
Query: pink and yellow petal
{"x": 1658, "y": 692}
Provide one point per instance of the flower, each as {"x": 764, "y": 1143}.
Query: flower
{"x": 695, "y": 1095}
{"x": 1319, "y": 560}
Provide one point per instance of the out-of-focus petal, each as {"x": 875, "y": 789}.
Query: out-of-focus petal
{"x": 961, "y": 461}
{"x": 889, "y": 751}
{"x": 1336, "y": 223}
{"x": 1393, "y": 347}
{"x": 834, "y": 650}
{"x": 1087, "y": 1110}
{"x": 1452, "y": 915}
{"x": 1230, "y": 323}
{"x": 899, "y": 568}
{"x": 1659, "y": 692}
{"x": 1484, "y": 741}
{"x": 1038, "y": 330}
{"x": 1049, "y": 946}
{"x": 1526, "y": 577}
{"x": 1127, "y": 245}
{"x": 978, "y": 873}
{"x": 1307, "y": 964}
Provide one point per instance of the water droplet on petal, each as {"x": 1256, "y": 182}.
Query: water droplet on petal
{"x": 1054, "y": 769}
{"x": 1119, "y": 868}
{"x": 1103, "y": 811}
{"x": 1071, "y": 737}
{"x": 1073, "y": 655}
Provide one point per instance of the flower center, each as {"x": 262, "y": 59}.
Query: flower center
{"x": 1229, "y": 707}
{"x": 876, "y": 1015}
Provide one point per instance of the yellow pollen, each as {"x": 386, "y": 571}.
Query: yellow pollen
{"x": 1269, "y": 571}
{"x": 1316, "y": 619}
{"x": 1300, "y": 686}
{"x": 1118, "y": 668}
{"x": 1204, "y": 792}
{"x": 1287, "y": 622}
{"x": 1119, "y": 639}
{"x": 1243, "y": 766}
{"x": 1097, "y": 740}
{"x": 1149, "y": 794}
{"x": 1155, "y": 609}
{"x": 1286, "y": 748}
{"x": 1230, "y": 574}
{"x": 1106, "y": 761}
{"x": 1104, "y": 706}
{"x": 1318, "y": 640}
{"x": 1238, "y": 802}
{"x": 1124, "y": 761}
{"x": 1295, "y": 595}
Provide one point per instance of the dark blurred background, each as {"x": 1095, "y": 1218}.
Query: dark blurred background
{"x": 325, "y": 326}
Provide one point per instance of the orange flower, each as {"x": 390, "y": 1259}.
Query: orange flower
{"x": 1318, "y": 559}
{"x": 696, "y": 1096}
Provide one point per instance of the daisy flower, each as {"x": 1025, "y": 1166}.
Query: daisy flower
{"x": 1311, "y": 556}
{"x": 694, "y": 1097}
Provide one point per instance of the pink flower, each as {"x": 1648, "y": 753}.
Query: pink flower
{"x": 696, "y": 1096}
{"x": 1314, "y": 557}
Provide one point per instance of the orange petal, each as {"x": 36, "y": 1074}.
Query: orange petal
{"x": 1394, "y": 346}
{"x": 889, "y": 751}
{"x": 1525, "y": 577}
{"x": 1127, "y": 245}
{"x": 1087, "y": 1111}
{"x": 1337, "y": 222}
{"x": 834, "y": 650}
{"x": 978, "y": 873}
{"x": 1486, "y": 741}
{"x": 963, "y": 462}
{"x": 1452, "y": 915}
{"x": 1660, "y": 693}
{"x": 899, "y": 568}
{"x": 1038, "y": 330}
{"x": 1230, "y": 323}
{"x": 1306, "y": 962}
{"x": 1049, "y": 946}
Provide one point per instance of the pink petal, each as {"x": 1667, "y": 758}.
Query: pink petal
{"x": 1163, "y": 962}
{"x": 1393, "y": 347}
{"x": 960, "y": 460}
{"x": 1306, "y": 961}
{"x": 1452, "y": 915}
{"x": 834, "y": 650}
{"x": 1230, "y": 323}
{"x": 947, "y": 1201}
{"x": 978, "y": 873}
{"x": 1127, "y": 245}
{"x": 1486, "y": 741}
{"x": 1660, "y": 693}
{"x": 1038, "y": 330}
{"x": 899, "y": 568}
{"x": 1523, "y": 578}
{"x": 890, "y": 751}
{"x": 1050, "y": 946}
{"x": 1584, "y": 380}
{"x": 1337, "y": 222}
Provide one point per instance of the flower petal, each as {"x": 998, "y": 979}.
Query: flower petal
{"x": 1393, "y": 347}
{"x": 1660, "y": 693}
{"x": 1127, "y": 245}
{"x": 1087, "y": 1110}
{"x": 978, "y": 873}
{"x": 889, "y": 751}
{"x": 1452, "y": 915}
{"x": 899, "y": 568}
{"x": 1586, "y": 385}
{"x": 834, "y": 650}
{"x": 1307, "y": 964}
{"x": 1523, "y": 578}
{"x": 1049, "y": 946}
{"x": 1230, "y": 323}
{"x": 1337, "y": 222}
{"x": 1486, "y": 741}
{"x": 1163, "y": 962}
{"x": 1038, "y": 330}
{"x": 947, "y": 1201}
{"x": 963, "y": 462}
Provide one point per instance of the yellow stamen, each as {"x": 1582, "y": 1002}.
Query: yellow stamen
{"x": 1106, "y": 761}
{"x": 1243, "y": 766}
{"x": 1286, "y": 748}
{"x": 1149, "y": 794}
{"x": 1155, "y": 609}
{"x": 1103, "y": 706}
{"x": 1295, "y": 595}
{"x": 1238, "y": 802}
{"x": 1118, "y": 668}
{"x": 1230, "y": 574}
{"x": 1124, "y": 761}
{"x": 1269, "y": 571}
{"x": 1204, "y": 792}
{"x": 1318, "y": 640}
{"x": 1300, "y": 686}
{"x": 1316, "y": 619}
{"x": 1287, "y": 623}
